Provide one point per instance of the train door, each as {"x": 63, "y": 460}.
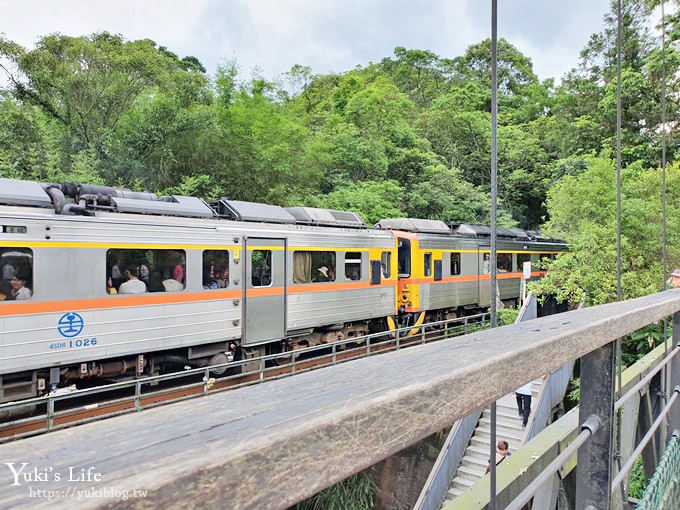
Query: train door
{"x": 483, "y": 276}
{"x": 265, "y": 290}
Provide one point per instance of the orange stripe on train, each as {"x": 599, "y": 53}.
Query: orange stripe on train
{"x": 160, "y": 298}
{"x": 115, "y": 301}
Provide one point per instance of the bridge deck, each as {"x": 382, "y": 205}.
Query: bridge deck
{"x": 269, "y": 446}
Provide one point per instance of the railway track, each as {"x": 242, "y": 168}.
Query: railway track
{"x": 54, "y": 412}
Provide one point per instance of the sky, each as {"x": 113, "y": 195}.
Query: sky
{"x": 271, "y": 36}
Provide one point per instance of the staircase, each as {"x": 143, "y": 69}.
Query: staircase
{"x": 508, "y": 427}
{"x": 465, "y": 454}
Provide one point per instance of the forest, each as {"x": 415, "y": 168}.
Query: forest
{"x": 407, "y": 136}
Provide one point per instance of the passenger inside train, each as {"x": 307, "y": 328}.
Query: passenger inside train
{"x": 17, "y": 274}
{"x": 19, "y": 289}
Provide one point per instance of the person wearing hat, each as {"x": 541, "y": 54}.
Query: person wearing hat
{"x": 674, "y": 280}
{"x": 324, "y": 274}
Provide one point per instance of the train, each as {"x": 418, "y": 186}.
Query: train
{"x": 103, "y": 283}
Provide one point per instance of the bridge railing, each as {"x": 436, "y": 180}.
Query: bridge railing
{"x": 269, "y": 446}
{"x": 53, "y": 411}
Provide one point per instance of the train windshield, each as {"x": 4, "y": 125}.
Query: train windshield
{"x": 404, "y": 258}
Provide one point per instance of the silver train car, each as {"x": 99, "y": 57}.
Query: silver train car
{"x": 107, "y": 283}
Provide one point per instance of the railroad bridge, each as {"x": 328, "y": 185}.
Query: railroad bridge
{"x": 272, "y": 445}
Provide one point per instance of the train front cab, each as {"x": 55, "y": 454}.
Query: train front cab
{"x": 444, "y": 277}
{"x": 437, "y": 276}
{"x": 413, "y": 271}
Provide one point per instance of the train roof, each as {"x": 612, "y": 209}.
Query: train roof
{"x": 68, "y": 198}
{"x": 414, "y": 225}
{"x": 87, "y": 200}
{"x": 472, "y": 230}
{"x": 467, "y": 230}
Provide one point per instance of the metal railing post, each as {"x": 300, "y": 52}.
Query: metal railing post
{"x": 594, "y": 472}
{"x": 673, "y": 374}
{"x": 138, "y": 396}
{"x": 50, "y": 414}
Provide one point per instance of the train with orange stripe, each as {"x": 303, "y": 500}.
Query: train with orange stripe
{"x": 103, "y": 283}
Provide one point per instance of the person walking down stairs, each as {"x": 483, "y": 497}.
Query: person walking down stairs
{"x": 523, "y": 396}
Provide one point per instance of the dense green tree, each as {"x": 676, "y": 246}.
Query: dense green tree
{"x": 444, "y": 195}
{"x": 28, "y": 147}
{"x": 590, "y": 88}
{"x": 583, "y": 213}
{"x": 262, "y": 151}
{"x": 420, "y": 74}
{"x": 89, "y": 85}
{"x": 515, "y": 70}
{"x": 372, "y": 200}
{"x": 460, "y": 132}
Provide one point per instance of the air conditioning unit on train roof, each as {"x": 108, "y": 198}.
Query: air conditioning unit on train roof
{"x": 251, "y": 211}
{"x": 15, "y": 192}
{"x": 326, "y": 217}
{"x": 175, "y": 205}
{"x": 471, "y": 230}
{"x": 414, "y": 225}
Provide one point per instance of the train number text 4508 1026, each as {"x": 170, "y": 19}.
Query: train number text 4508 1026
{"x": 74, "y": 344}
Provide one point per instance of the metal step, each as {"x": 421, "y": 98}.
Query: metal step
{"x": 508, "y": 423}
{"x": 475, "y": 462}
{"x": 480, "y": 442}
{"x": 503, "y": 413}
{"x": 471, "y": 473}
{"x": 474, "y": 450}
{"x": 508, "y": 434}
{"x": 453, "y": 492}
{"x": 462, "y": 484}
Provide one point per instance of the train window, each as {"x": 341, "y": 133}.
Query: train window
{"x": 438, "y": 270}
{"x": 139, "y": 271}
{"x": 427, "y": 264}
{"x": 486, "y": 263}
{"x": 353, "y": 266}
{"x": 404, "y": 258}
{"x": 17, "y": 274}
{"x": 386, "y": 264}
{"x": 261, "y": 268}
{"x": 215, "y": 269}
{"x": 455, "y": 264}
{"x": 313, "y": 266}
{"x": 521, "y": 259}
{"x": 376, "y": 272}
{"x": 13, "y": 229}
{"x": 504, "y": 262}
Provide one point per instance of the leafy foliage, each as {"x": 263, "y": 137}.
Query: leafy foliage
{"x": 638, "y": 480}
{"x": 357, "y": 492}
{"x": 588, "y": 224}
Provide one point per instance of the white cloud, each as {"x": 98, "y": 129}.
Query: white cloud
{"x": 330, "y": 35}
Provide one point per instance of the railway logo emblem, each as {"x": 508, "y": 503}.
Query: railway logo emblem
{"x": 70, "y": 325}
